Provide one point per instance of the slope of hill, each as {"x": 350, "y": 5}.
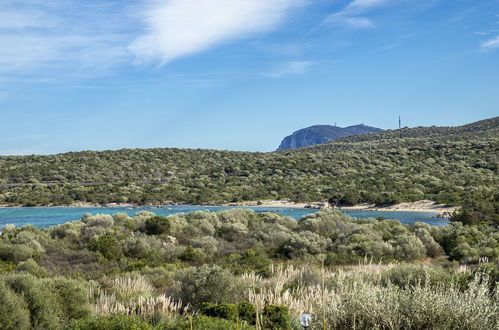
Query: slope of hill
{"x": 447, "y": 164}
{"x": 319, "y": 134}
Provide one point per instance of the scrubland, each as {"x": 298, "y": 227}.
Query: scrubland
{"x": 241, "y": 270}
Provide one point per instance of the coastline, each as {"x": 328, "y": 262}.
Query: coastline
{"x": 419, "y": 206}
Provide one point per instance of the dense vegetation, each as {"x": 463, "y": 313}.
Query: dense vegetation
{"x": 452, "y": 165}
{"x": 238, "y": 269}
{"x": 241, "y": 270}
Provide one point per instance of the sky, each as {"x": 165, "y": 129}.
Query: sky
{"x": 237, "y": 74}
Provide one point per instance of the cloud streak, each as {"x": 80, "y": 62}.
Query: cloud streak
{"x": 178, "y": 28}
{"x": 490, "y": 44}
{"x": 352, "y": 15}
{"x": 289, "y": 68}
{"x": 64, "y": 38}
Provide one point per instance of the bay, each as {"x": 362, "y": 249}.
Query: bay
{"x": 48, "y": 216}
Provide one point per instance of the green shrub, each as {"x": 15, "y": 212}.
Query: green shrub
{"x": 108, "y": 245}
{"x": 42, "y": 304}
{"x": 71, "y": 296}
{"x": 192, "y": 255}
{"x": 14, "y": 313}
{"x": 206, "y": 284}
{"x": 477, "y": 212}
{"x": 223, "y": 311}
{"x": 408, "y": 247}
{"x": 250, "y": 260}
{"x": 157, "y": 225}
{"x": 468, "y": 244}
{"x": 406, "y": 275}
{"x": 200, "y": 322}
{"x": 115, "y": 322}
{"x": 7, "y": 267}
{"x": 99, "y": 220}
{"x": 342, "y": 259}
{"x": 15, "y": 252}
{"x": 276, "y": 317}
{"x": 31, "y": 267}
{"x": 246, "y": 312}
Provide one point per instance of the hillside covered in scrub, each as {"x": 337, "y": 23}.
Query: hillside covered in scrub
{"x": 241, "y": 270}
{"x": 452, "y": 165}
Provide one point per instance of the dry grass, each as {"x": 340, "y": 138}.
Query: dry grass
{"x": 133, "y": 296}
{"x": 349, "y": 299}
{"x": 129, "y": 287}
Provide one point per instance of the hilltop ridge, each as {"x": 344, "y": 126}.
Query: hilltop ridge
{"x": 319, "y": 134}
{"x": 448, "y": 165}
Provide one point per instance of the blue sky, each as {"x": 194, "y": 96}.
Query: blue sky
{"x": 237, "y": 74}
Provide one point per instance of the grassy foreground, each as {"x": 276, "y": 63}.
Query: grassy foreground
{"x": 241, "y": 270}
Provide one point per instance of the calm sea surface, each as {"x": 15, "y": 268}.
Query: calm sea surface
{"x": 49, "y": 216}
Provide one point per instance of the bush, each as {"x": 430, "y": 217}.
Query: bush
{"x": 192, "y": 255}
{"x": 477, "y": 212}
{"x": 15, "y": 252}
{"x": 71, "y": 296}
{"x": 157, "y": 225}
{"x": 206, "y": 284}
{"x": 6, "y": 267}
{"x": 14, "y": 313}
{"x": 223, "y": 311}
{"x": 100, "y": 220}
{"x": 200, "y": 322}
{"x": 409, "y": 275}
{"x": 31, "y": 267}
{"x": 276, "y": 317}
{"x": 468, "y": 244}
{"x": 42, "y": 304}
{"x": 250, "y": 260}
{"x": 333, "y": 259}
{"x": 246, "y": 312}
{"x": 408, "y": 248}
{"x": 107, "y": 245}
{"x": 115, "y": 322}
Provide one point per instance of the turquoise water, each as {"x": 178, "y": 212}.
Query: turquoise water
{"x": 48, "y": 216}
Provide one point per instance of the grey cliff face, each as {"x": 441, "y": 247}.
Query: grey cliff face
{"x": 321, "y": 134}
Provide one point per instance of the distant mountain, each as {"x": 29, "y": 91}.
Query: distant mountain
{"x": 319, "y": 134}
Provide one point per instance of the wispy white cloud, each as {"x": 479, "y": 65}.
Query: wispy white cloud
{"x": 352, "y": 15}
{"x": 49, "y": 39}
{"x": 54, "y": 41}
{"x": 356, "y": 22}
{"x": 289, "y": 68}
{"x": 490, "y": 44}
{"x": 177, "y": 28}
{"x": 361, "y": 5}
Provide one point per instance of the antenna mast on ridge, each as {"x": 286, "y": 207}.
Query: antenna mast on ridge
{"x": 400, "y": 126}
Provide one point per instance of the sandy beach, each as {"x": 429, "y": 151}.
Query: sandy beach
{"x": 269, "y": 203}
{"x": 419, "y": 206}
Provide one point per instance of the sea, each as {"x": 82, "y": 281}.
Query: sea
{"x": 43, "y": 217}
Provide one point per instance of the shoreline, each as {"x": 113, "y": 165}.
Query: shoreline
{"x": 394, "y": 208}
{"x": 419, "y": 206}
